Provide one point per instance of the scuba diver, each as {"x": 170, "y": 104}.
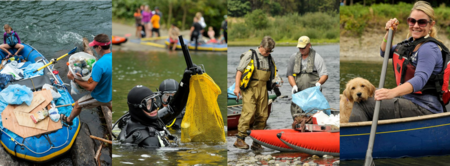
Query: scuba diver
{"x": 167, "y": 89}
{"x": 144, "y": 124}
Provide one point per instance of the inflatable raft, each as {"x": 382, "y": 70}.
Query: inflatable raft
{"x": 48, "y": 145}
{"x": 202, "y": 46}
{"x": 117, "y": 40}
{"x": 289, "y": 140}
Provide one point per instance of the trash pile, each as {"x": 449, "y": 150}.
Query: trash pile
{"x": 81, "y": 64}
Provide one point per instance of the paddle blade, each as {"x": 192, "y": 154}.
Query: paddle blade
{"x": 72, "y": 51}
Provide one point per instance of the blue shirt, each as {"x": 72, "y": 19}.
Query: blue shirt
{"x": 102, "y": 73}
{"x": 427, "y": 60}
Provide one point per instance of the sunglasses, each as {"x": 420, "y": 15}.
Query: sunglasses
{"x": 421, "y": 22}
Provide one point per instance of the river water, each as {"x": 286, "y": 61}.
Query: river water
{"x": 54, "y": 28}
{"x": 281, "y": 116}
{"x": 150, "y": 69}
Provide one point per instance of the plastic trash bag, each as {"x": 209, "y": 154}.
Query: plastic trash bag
{"x": 311, "y": 100}
{"x": 76, "y": 89}
{"x": 203, "y": 120}
{"x": 16, "y": 94}
{"x": 29, "y": 70}
{"x": 55, "y": 94}
{"x": 230, "y": 91}
{"x": 12, "y": 69}
{"x": 82, "y": 63}
{"x": 5, "y": 79}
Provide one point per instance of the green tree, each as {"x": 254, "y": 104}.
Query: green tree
{"x": 238, "y": 8}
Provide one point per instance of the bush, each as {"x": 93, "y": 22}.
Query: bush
{"x": 257, "y": 19}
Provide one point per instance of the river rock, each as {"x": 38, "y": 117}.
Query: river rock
{"x": 315, "y": 157}
{"x": 336, "y": 163}
{"x": 328, "y": 156}
{"x": 271, "y": 162}
{"x": 82, "y": 151}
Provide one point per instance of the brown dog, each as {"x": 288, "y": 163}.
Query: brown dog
{"x": 357, "y": 89}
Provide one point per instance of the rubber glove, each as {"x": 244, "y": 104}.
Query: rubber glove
{"x": 318, "y": 84}
{"x": 294, "y": 89}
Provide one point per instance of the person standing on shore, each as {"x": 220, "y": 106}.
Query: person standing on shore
{"x": 254, "y": 89}
{"x": 306, "y": 69}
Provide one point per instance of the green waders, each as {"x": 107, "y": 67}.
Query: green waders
{"x": 254, "y": 101}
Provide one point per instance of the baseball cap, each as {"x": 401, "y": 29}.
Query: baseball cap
{"x": 303, "y": 41}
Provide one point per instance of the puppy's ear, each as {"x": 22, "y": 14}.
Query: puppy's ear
{"x": 346, "y": 93}
{"x": 371, "y": 90}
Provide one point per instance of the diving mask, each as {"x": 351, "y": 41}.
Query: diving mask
{"x": 167, "y": 96}
{"x": 150, "y": 103}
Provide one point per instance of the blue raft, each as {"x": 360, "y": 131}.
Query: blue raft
{"x": 44, "y": 147}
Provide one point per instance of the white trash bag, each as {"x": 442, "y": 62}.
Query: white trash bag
{"x": 81, "y": 63}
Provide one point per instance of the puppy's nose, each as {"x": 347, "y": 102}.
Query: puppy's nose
{"x": 359, "y": 94}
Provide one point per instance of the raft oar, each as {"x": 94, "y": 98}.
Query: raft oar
{"x": 369, "y": 159}
{"x": 55, "y": 60}
{"x": 65, "y": 105}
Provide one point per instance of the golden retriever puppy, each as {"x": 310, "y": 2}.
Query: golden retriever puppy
{"x": 357, "y": 89}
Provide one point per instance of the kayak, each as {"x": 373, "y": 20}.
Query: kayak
{"x": 426, "y": 135}
{"x": 117, "y": 40}
{"x": 48, "y": 145}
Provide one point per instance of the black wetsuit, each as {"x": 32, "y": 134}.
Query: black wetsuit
{"x": 154, "y": 134}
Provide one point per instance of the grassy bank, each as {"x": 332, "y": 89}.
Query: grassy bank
{"x": 322, "y": 28}
{"x": 357, "y": 19}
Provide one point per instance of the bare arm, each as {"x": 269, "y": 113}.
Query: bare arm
{"x": 291, "y": 81}
{"x": 237, "y": 89}
{"x": 88, "y": 85}
{"x": 323, "y": 79}
{"x": 385, "y": 94}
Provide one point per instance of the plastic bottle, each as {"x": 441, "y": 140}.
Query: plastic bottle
{"x": 90, "y": 62}
{"x": 53, "y": 113}
{"x": 76, "y": 69}
{"x": 85, "y": 71}
{"x": 83, "y": 63}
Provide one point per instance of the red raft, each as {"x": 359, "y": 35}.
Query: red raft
{"x": 316, "y": 143}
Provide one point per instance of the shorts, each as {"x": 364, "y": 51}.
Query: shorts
{"x": 146, "y": 22}
{"x": 138, "y": 24}
{"x": 155, "y": 30}
{"x": 87, "y": 101}
{"x": 173, "y": 41}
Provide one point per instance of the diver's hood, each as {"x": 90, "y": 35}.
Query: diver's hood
{"x": 135, "y": 96}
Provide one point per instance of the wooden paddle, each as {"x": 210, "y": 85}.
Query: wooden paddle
{"x": 369, "y": 158}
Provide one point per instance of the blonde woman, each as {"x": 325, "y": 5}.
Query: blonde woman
{"x": 421, "y": 58}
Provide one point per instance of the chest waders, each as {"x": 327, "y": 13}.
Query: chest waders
{"x": 304, "y": 78}
{"x": 255, "y": 108}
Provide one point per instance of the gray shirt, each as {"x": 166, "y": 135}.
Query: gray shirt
{"x": 247, "y": 56}
{"x": 319, "y": 65}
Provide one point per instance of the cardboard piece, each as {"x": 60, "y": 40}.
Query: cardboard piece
{"x": 11, "y": 122}
{"x": 24, "y": 119}
{"x": 37, "y": 100}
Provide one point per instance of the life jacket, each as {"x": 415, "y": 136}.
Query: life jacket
{"x": 404, "y": 70}
{"x": 248, "y": 71}
{"x": 298, "y": 68}
{"x": 11, "y": 39}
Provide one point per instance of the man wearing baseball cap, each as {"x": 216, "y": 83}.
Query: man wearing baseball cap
{"x": 306, "y": 68}
{"x": 100, "y": 83}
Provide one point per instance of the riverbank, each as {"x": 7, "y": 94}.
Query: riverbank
{"x": 134, "y": 43}
{"x": 367, "y": 47}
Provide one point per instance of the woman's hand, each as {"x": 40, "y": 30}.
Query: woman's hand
{"x": 384, "y": 94}
{"x": 391, "y": 23}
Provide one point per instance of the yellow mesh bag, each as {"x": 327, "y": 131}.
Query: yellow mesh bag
{"x": 203, "y": 120}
